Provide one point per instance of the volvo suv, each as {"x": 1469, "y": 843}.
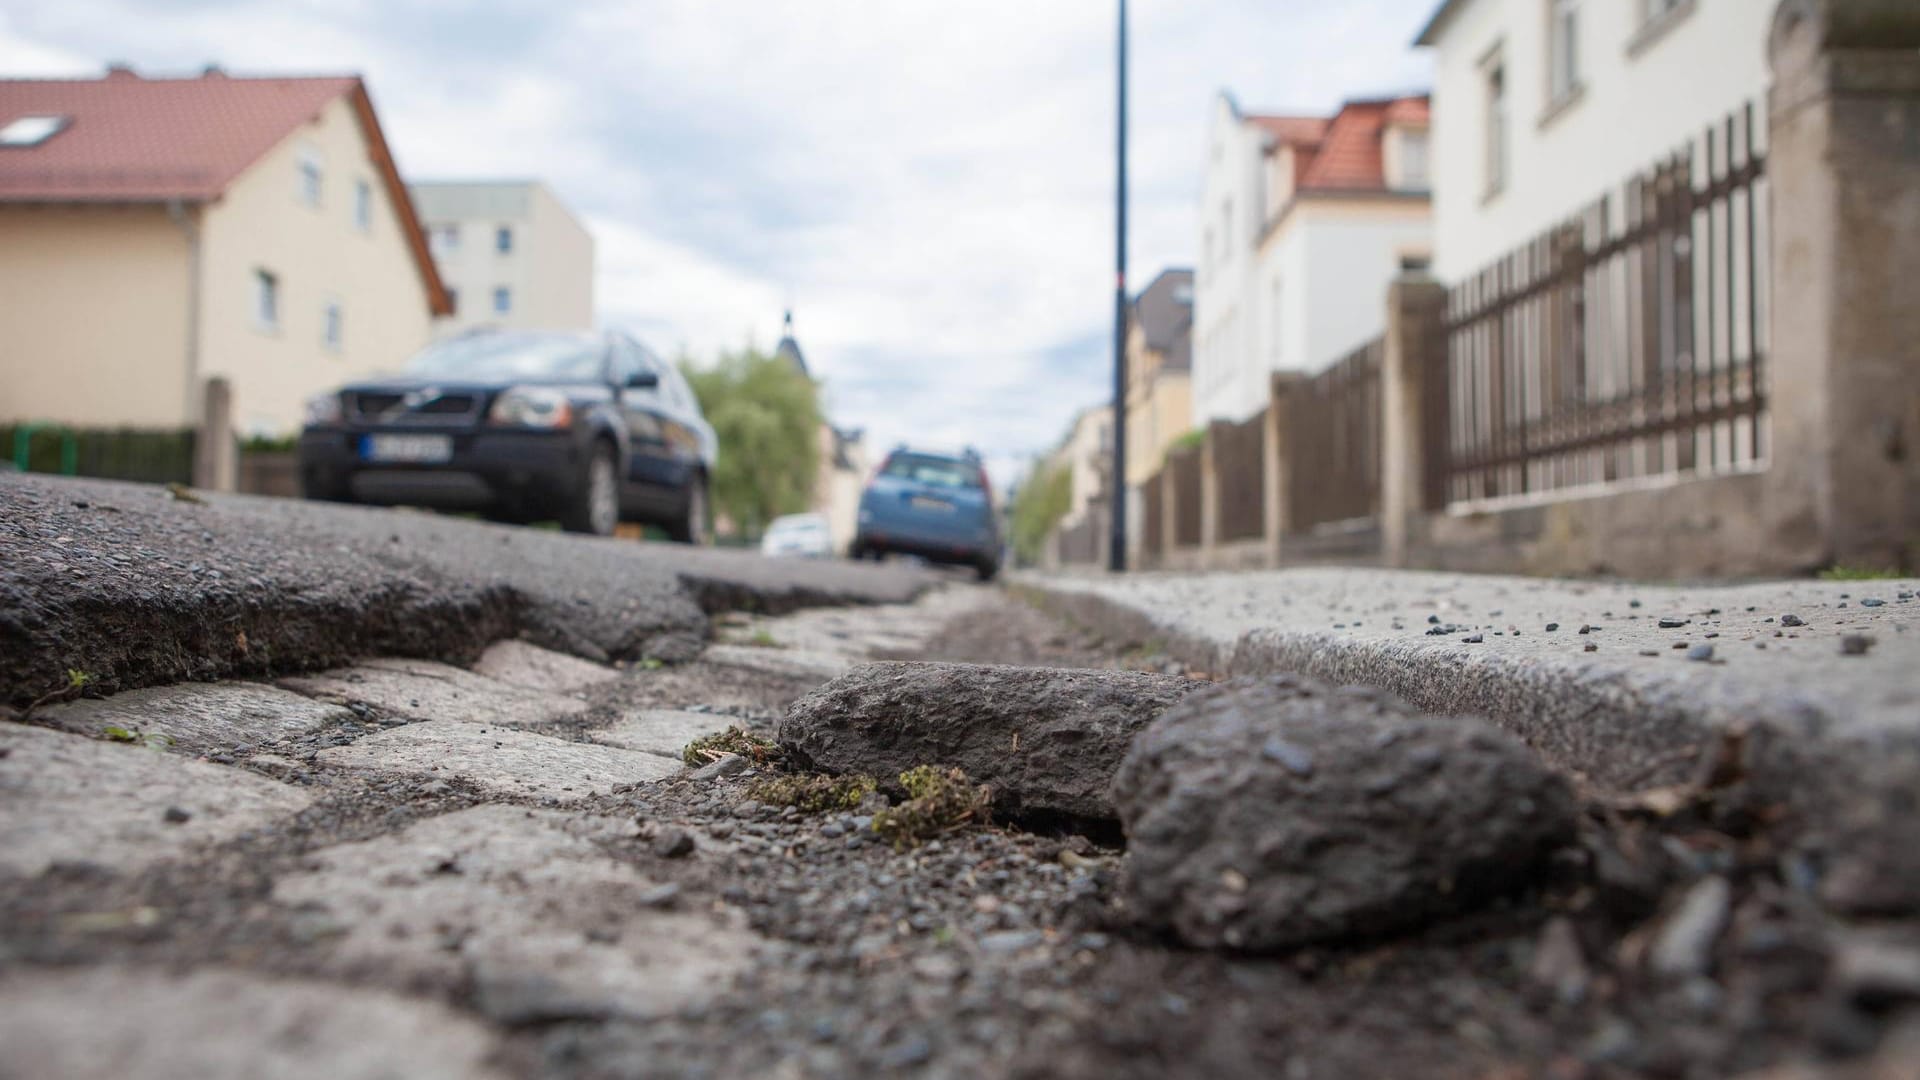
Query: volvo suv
{"x": 588, "y": 429}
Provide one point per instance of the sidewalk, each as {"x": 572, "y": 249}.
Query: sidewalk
{"x": 1817, "y": 684}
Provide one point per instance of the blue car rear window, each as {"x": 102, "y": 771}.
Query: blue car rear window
{"x": 933, "y": 471}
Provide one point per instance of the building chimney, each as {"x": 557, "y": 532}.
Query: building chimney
{"x": 212, "y": 71}
{"x": 120, "y": 69}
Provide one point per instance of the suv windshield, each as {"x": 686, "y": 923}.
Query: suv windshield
{"x": 933, "y": 471}
{"x": 511, "y": 356}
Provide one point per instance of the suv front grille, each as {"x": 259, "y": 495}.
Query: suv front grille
{"x": 429, "y": 407}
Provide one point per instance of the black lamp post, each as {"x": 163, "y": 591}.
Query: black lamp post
{"x": 1117, "y": 557}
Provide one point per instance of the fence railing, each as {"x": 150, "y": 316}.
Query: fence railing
{"x": 1333, "y": 442}
{"x": 1627, "y": 342}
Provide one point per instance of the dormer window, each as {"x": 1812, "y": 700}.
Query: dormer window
{"x": 31, "y": 130}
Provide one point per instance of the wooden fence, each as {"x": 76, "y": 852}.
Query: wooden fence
{"x": 1619, "y": 344}
{"x": 1184, "y": 465}
{"x": 1239, "y": 459}
{"x": 1333, "y": 442}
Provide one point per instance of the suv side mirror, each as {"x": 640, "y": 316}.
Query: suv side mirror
{"x": 643, "y": 380}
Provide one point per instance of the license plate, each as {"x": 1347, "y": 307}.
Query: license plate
{"x": 416, "y": 449}
{"x": 921, "y": 502}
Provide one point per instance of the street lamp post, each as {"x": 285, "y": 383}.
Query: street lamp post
{"x": 1117, "y": 557}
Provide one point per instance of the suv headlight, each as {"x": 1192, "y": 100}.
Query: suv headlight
{"x": 324, "y": 409}
{"x": 531, "y": 406}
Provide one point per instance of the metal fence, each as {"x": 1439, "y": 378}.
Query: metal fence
{"x": 1628, "y": 342}
{"x": 1333, "y": 442}
{"x": 1239, "y": 459}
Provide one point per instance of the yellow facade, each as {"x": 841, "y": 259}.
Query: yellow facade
{"x": 1159, "y": 408}
{"x": 115, "y": 315}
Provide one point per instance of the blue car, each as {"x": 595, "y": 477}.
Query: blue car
{"x": 936, "y": 506}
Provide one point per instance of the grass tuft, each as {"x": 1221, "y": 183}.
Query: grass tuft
{"x": 939, "y": 801}
{"x": 813, "y": 794}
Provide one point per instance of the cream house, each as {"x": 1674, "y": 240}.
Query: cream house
{"x": 1305, "y": 220}
{"x": 1159, "y": 360}
{"x": 510, "y": 253}
{"x": 1543, "y": 106}
{"x": 158, "y": 232}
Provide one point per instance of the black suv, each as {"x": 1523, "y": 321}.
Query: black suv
{"x": 591, "y": 429}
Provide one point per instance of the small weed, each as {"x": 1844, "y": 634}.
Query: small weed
{"x": 711, "y": 748}
{"x": 762, "y": 639}
{"x": 939, "y": 801}
{"x": 814, "y": 794}
{"x": 76, "y": 684}
{"x": 1844, "y": 572}
{"x": 116, "y": 733}
{"x": 652, "y": 663}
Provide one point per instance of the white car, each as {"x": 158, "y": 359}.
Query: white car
{"x": 803, "y": 535}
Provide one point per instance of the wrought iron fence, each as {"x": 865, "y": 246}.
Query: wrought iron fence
{"x": 1333, "y": 442}
{"x": 1628, "y": 342}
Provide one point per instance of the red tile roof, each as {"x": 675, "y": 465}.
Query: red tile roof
{"x": 134, "y": 139}
{"x": 130, "y": 139}
{"x": 1344, "y": 154}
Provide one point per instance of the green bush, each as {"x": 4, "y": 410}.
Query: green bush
{"x": 1043, "y": 499}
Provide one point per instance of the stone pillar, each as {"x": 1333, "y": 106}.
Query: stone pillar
{"x": 1276, "y": 467}
{"x": 216, "y": 456}
{"x": 1169, "y": 512}
{"x": 1413, "y": 364}
{"x": 1210, "y": 494}
{"x": 1844, "y": 389}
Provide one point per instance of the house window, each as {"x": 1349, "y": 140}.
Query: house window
{"x": 1226, "y": 231}
{"x": 1495, "y": 77}
{"x": 1563, "y": 49}
{"x": 331, "y": 330}
{"x": 502, "y": 300}
{"x": 310, "y": 176}
{"x": 266, "y": 300}
{"x": 503, "y": 240}
{"x": 1655, "y": 10}
{"x": 1413, "y": 161}
{"x": 363, "y": 205}
{"x": 1275, "y": 351}
{"x": 453, "y": 301}
{"x": 446, "y": 238}
{"x": 31, "y": 130}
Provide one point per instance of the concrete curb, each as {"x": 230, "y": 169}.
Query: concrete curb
{"x": 1845, "y": 761}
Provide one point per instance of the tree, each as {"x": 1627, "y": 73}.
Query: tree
{"x": 1044, "y": 498}
{"x": 766, "y": 415}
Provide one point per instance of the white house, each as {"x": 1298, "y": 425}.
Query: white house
{"x": 1544, "y": 105}
{"x": 1304, "y": 221}
{"x": 511, "y": 254}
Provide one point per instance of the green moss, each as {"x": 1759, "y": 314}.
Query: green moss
{"x": 711, "y": 748}
{"x": 939, "y": 801}
{"x": 815, "y": 793}
{"x": 1856, "y": 573}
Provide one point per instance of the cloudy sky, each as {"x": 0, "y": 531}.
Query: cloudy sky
{"x": 929, "y": 183}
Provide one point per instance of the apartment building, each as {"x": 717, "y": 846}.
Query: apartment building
{"x": 511, "y": 253}
{"x": 1304, "y": 222}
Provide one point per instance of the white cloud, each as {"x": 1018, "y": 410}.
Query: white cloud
{"x": 930, "y": 183}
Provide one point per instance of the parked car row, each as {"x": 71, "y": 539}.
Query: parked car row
{"x": 588, "y": 429}
{"x": 592, "y": 430}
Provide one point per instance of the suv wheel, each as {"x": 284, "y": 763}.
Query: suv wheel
{"x": 596, "y": 509}
{"x": 692, "y": 526}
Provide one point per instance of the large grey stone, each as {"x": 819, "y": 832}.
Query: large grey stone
{"x": 531, "y": 667}
{"x": 1271, "y": 813}
{"x": 1047, "y": 740}
{"x": 65, "y": 797}
{"x": 505, "y": 761}
{"x": 215, "y": 1024}
{"x": 196, "y": 717}
{"x": 660, "y": 731}
{"x": 424, "y": 690}
{"x": 528, "y": 906}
